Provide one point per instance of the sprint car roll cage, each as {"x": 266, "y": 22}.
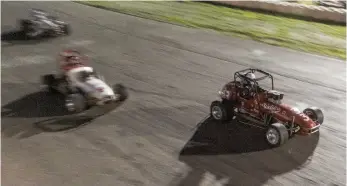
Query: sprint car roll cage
{"x": 242, "y": 74}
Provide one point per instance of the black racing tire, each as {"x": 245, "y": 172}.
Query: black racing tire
{"x": 66, "y": 29}
{"x": 75, "y": 103}
{"x": 219, "y": 111}
{"x": 49, "y": 80}
{"x": 25, "y": 28}
{"x": 315, "y": 114}
{"x": 276, "y": 135}
{"x": 24, "y": 25}
{"x": 121, "y": 90}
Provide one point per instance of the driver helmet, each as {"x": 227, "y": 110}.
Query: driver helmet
{"x": 73, "y": 60}
{"x": 250, "y": 75}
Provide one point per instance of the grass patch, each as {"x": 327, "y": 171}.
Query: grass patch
{"x": 329, "y": 40}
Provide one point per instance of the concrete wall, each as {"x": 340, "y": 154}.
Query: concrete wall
{"x": 308, "y": 11}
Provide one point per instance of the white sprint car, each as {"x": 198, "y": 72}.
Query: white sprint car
{"x": 80, "y": 85}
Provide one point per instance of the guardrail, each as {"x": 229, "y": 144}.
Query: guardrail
{"x": 320, "y": 13}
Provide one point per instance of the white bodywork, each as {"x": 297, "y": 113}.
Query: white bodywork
{"x": 93, "y": 87}
{"x": 42, "y": 22}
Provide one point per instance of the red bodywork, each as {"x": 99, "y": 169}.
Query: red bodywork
{"x": 258, "y": 106}
{"x": 71, "y": 59}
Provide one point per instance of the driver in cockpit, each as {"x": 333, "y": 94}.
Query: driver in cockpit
{"x": 248, "y": 86}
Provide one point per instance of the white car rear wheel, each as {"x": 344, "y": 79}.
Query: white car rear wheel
{"x": 75, "y": 103}
{"x": 49, "y": 80}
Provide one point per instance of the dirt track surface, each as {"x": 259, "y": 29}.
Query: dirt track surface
{"x": 154, "y": 138}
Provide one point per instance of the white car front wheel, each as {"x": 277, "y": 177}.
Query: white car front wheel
{"x": 121, "y": 91}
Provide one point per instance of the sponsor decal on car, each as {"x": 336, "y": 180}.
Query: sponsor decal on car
{"x": 270, "y": 107}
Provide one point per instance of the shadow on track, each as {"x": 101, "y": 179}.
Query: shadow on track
{"x": 74, "y": 121}
{"x": 235, "y": 154}
{"x": 20, "y": 117}
{"x": 37, "y": 104}
{"x": 17, "y": 37}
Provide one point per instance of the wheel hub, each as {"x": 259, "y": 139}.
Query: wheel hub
{"x": 272, "y": 136}
{"x": 311, "y": 115}
{"x": 217, "y": 112}
{"x": 70, "y": 106}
